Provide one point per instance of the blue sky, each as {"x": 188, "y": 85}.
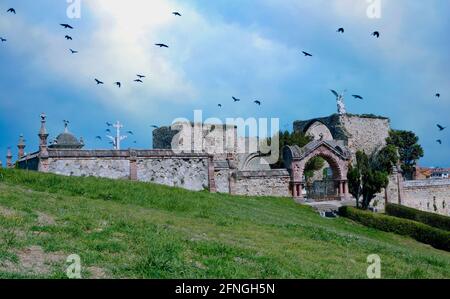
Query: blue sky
{"x": 250, "y": 49}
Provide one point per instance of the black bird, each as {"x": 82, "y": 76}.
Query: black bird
{"x": 306, "y": 54}
{"x": 98, "y": 137}
{"x": 162, "y": 45}
{"x": 139, "y": 80}
{"x": 236, "y": 99}
{"x": 376, "y": 34}
{"x": 341, "y": 30}
{"x": 73, "y": 51}
{"x": 68, "y": 37}
{"x": 99, "y": 82}
{"x": 67, "y": 26}
{"x": 3, "y": 39}
{"x": 257, "y": 103}
{"x": 441, "y": 128}
{"x": 118, "y": 84}
{"x": 130, "y": 132}
{"x": 109, "y": 124}
{"x": 140, "y": 76}
{"x": 134, "y": 142}
{"x": 175, "y": 13}
{"x": 108, "y": 130}
{"x": 155, "y": 127}
{"x": 11, "y": 10}
{"x": 438, "y": 95}
{"x": 220, "y": 105}
{"x": 439, "y": 141}
{"x": 358, "y": 97}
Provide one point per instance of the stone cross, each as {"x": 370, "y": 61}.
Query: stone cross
{"x": 118, "y": 138}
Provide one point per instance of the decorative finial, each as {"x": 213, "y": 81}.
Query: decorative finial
{"x": 21, "y": 147}
{"x": 66, "y": 124}
{"x": 9, "y": 158}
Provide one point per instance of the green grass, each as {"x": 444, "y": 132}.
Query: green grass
{"x": 137, "y": 230}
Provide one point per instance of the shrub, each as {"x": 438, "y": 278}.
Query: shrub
{"x": 435, "y": 220}
{"x": 435, "y": 237}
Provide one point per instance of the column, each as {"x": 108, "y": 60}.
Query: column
{"x": 43, "y": 151}
{"x": 9, "y": 159}
{"x": 21, "y": 148}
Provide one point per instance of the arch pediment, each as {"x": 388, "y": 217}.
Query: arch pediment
{"x": 295, "y": 153}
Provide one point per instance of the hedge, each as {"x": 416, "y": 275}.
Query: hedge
{"x": 435, "y": 220}
{"x": 435, "y": 237}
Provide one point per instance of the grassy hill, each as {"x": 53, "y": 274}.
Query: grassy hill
{"x": 123, "y": 229}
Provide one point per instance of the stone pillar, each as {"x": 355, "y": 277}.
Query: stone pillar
{"x": 231, "y": 173}
{"x": 9, "y": 157}
{"x": 21, "y": 147}
{"x": 133, "y": 166}
{"x": 43, "y": 150}
{"x": 300, "y": 190}
{"x": 212, "y": 181}
{"x": 341, "y": 188}
{"x": 294, "y": 190}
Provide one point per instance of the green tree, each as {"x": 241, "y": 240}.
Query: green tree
{"x": 409, "y": 149}
{"x": 367, "y": 177}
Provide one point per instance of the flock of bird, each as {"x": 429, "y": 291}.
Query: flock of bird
{"x": 139, "y": 77}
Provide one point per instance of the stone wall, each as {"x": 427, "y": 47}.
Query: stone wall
{"x": 428, "y": 195}
{"x": 111, "y": 168}
{"x": 262, "y": 183}
{"x": 365, "y": 133}
{"x": 188, "y": 171}
{"x": 358, "y": 132}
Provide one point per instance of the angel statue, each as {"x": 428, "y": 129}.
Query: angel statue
{"x": 340, "y": 102}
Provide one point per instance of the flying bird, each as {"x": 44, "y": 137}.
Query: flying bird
{"x": 99, "y": 82}
{"x": 140, "y": 76}
{"x": 220, "y": 105}
{"x": 441, "y": 128}
{"x": 109, "y": 124}
{"x": 3, "y": 39}
{"x": 306, "y": 54}
{"x": 175, "y": 13}
{"x": 257, "y": 103}
{"x": 155, "y": 127}
{"x": 139, "y": 80}
{"x": 73, "y": 51}
{"x": 341, "y": 30}
{"x": 438, "y": 95}
{"x": 67, "y": 26}
{"x": 236, "y": 99}
{"x": 108, "y": 130}
{"x": 162, "y": 45}
{"x": 11, "y": 10}
{"x": 98, "y": 137}
{"x": 68, "y": 37}
{"x": 358, "y": 97}
{"x": 439, "y": 141}
{"x": 130, "y": 132}
{"x": 376, "y": 34}
{"x": 118, "y": 84}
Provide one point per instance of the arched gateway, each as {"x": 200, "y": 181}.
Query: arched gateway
{"x": 337, "y": 156}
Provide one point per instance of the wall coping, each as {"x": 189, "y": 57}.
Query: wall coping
{"x": 70, "y": 153}
{"x": 263, "y": 173}
{"x": 426, "y": 183}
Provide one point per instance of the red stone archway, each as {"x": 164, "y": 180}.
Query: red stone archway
{"x": 334, "y": 153}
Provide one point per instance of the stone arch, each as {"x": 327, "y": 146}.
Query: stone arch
{"x": 337, "y": 156}
{"x": 254, "y": 162}
{"x": 318, "y": 130}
